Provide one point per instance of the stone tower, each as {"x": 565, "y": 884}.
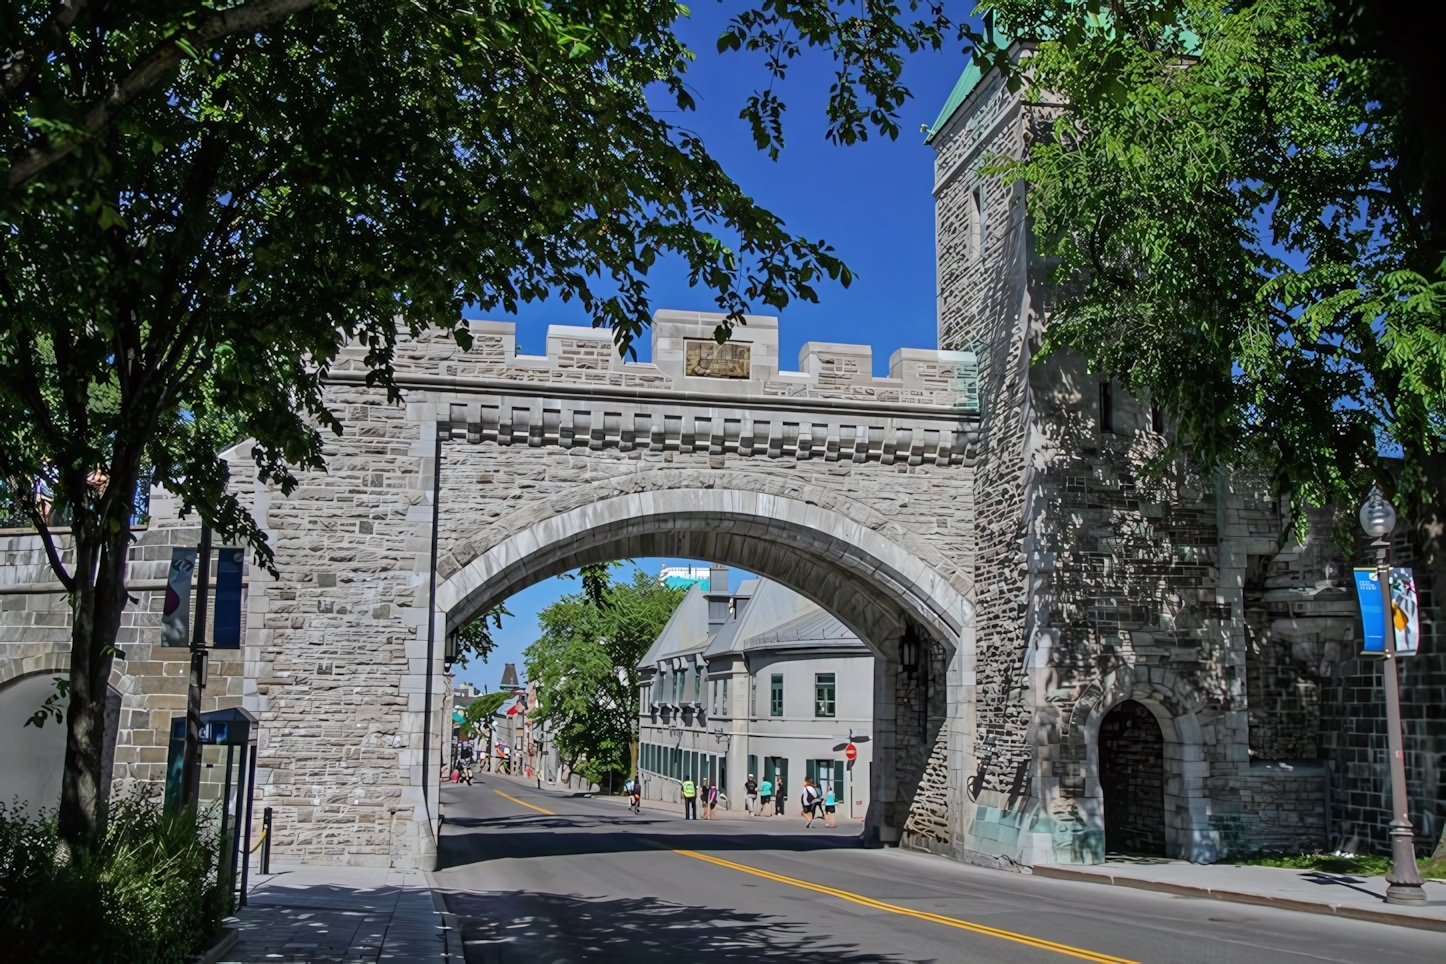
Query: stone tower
{"x": 1150, "y": 659}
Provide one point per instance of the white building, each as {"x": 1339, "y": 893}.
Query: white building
{"x": 758, "y": 681}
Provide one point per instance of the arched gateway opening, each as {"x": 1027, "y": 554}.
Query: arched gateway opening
{"x": 1132, "y": 780}
{"x": 880, "y": 590}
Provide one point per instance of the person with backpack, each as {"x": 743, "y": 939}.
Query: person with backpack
{"x": 635, "y": 792}
{"x": 690, "y": 798}
{"x": 750, "y": 796}
{"x": 808, "y": 801}
{"x": 765, "y": 797}
{"x": 703, "y": 793}
{"x": 828, "y": 809}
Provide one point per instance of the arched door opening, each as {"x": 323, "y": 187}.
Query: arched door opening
{"x": 1132, "y": 780}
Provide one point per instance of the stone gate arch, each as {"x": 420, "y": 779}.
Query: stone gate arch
{"x": 874, "y": 585}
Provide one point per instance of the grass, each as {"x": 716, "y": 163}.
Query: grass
{"x": 1362, "y": 865}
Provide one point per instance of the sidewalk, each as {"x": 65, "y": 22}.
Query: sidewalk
{"x": 1311, "y": 891}
{"x": 347, "y": 915}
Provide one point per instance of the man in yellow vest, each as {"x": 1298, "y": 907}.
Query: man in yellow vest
{"x": 690, "y": 799}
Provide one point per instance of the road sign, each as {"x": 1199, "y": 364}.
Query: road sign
{"x": 851, "y": 752}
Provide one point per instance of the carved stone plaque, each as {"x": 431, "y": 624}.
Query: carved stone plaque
{"x": 708, "y": 359}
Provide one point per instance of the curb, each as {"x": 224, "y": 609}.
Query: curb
{"x": 1240, "y": 897}
{"x": 451, "y": 927}
{"x": 230, "y": 937}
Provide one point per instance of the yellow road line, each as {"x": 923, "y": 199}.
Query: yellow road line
{"x": 1024, "y": 939}
{"x": 523, "y": 802}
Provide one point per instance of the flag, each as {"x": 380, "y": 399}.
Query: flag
{"x": 176, "y": 613}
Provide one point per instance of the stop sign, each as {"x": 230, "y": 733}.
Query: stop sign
{"x": 851, "y": 752}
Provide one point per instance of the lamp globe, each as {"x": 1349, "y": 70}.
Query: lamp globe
{"x": 1378, "y": 517}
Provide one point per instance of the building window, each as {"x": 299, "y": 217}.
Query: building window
{"x": 697, "y": 685}
{"x": 1107, "y": 406}
{"x": 775, "y": 696}
{"x": 1157, "y": 420}
{"x": 724, "y": 708}
{"x": 823, "y": 695}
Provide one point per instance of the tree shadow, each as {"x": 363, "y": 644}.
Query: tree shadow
{"x": 571, "y": 836}
{"x": 522, "y": 927}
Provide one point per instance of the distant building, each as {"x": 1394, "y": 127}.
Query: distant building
{"x": 509, "y": 678}
{"x": 681, "y": 577}
{"x": 463, "y": 694}
{"x": 758, "y": 681}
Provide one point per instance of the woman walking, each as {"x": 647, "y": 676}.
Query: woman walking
{"x": 710, "y": 802}
{"x": 808, "y": 801}
{"x": 765, "y": 797}
{"x": 829, "y": 805}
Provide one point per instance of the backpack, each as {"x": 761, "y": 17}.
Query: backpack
{"x": 810, "y": 796}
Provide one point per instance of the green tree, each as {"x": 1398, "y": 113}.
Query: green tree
{"x": 1241, "y": 218}
{"x": 585, "y": 667}
{"x": 483, "y": 707}
{"x": 204, "y": 199}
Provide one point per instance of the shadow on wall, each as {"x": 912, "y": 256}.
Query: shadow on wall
{"x": 527, "y": 926}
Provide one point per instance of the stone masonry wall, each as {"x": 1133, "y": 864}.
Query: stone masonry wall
{"x": 984, "y": 305}
{"x": 1103, "y": 575}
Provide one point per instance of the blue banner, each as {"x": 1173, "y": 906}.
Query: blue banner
{"x": 1404, "y": 612}
{"x": 228, "y": 599}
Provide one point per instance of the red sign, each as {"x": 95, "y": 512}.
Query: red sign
{"x": 851, "y": 752}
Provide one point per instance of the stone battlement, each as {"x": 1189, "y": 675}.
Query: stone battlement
{"x": 688, "y": 359}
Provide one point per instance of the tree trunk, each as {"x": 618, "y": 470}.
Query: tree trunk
{"x": 99, "y": 599}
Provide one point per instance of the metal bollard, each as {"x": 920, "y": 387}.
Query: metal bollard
{"x": 266, "y": 841}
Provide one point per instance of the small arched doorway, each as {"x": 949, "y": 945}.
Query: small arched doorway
{"x": 1132, "y": 780}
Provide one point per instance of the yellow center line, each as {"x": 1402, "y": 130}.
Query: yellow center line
{"x": 523, "y": 803}
{"x": 1024, "y": 939}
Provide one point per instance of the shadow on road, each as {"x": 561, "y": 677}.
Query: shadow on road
{"x": 522, "y": 927}
{"x": 526, "y": 838}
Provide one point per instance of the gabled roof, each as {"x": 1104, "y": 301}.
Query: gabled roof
{"x": 811, "y": 629}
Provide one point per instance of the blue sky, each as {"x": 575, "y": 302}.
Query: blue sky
{"x": 870, "y": 201}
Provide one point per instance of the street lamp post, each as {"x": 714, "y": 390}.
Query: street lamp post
{"x": 1378, "y": 518}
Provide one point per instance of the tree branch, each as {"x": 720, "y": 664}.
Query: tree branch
{"x": 18, "y": 69}
{"x": 150, "y": 71}
{"x": 48, "y": 540}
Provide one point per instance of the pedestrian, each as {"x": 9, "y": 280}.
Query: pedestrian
{"x": 808, "y": 801}
{"x": 750, "y": 796}
{"x": 828, "y": 808}
{"x": 636, "y": 792}
{"x": 780, "y": 796}
{"x": 690, "y": 798}
{"x": 710, "y": 801}
{"x": 765, "y": 797}
{"x": 703, "y": 793}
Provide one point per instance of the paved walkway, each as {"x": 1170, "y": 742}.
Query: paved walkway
{"x": 346, "y": 915}
{"x": 1312, "y": 891}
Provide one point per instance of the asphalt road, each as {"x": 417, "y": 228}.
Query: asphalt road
{"x": 538, "y": 877}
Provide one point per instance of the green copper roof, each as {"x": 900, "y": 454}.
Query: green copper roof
{"x": 957, "y": 96}
{"x": 972, "y": 74}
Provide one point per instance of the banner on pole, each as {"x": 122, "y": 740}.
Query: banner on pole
{"x": 1405, "y": 612}
{"x": 176, "y": 613}
{"x": 228, "y": 599}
